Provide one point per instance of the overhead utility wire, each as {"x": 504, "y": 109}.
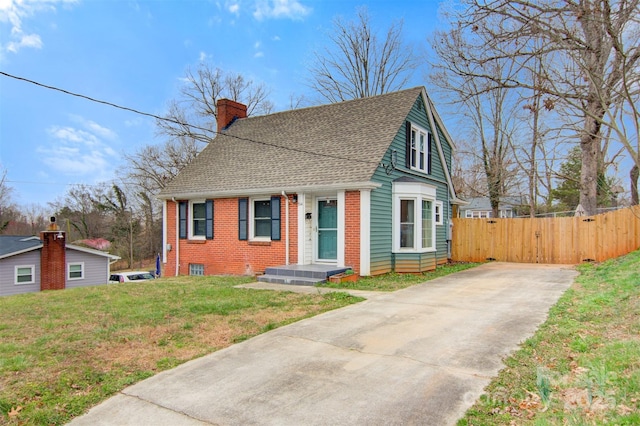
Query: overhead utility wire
{"x": 193, "y": 126}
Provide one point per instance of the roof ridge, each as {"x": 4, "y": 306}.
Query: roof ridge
{"x": 333, "y": 104}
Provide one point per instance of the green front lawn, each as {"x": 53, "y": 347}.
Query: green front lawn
{"x": 62, "y": 352}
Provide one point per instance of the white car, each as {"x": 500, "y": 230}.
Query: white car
{"x": 125, "y": 277}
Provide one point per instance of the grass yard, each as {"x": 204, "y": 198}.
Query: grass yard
{"x": 394, "y": 281}
{"x": 582, "y": 367}
{"x": 62, "y": 352}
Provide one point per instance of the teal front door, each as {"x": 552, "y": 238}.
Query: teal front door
{"x": 327, "y": 230}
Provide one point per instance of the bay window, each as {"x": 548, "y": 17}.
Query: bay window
{"x": 414, "y": 217}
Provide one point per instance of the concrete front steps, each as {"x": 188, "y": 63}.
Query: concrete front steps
{"x": 300, "y": 274}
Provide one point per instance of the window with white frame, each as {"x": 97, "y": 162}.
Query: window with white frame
{"x": 75, "y": 271}
{"x": 407, "y": 223}
{"x": 427, "y": 224}
{"x": 198, "y": 218}
{"x": 261, "y": 219}
{"x": 414, "y": 217}
{"x": 419, "y": 149}
{"x": 25, "y": 274}
{"x": 438, "y": 213}
{"x": 478, "y": 214}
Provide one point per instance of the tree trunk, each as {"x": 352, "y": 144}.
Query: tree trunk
{"x": 633, "y": 175}
{"x": 590, "y": 146}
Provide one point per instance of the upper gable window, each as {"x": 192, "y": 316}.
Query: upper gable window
{"x": 418, "y": 148}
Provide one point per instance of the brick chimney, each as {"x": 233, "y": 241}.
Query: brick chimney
{"x": 53, "y": 264}
{"x": 228, "y": 111}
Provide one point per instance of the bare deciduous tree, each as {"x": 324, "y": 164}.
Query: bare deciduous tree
{"x": 5, "y": 200}
{"x": 591, "y": 52}
{"x": 489, "y": 115}
{"x": 78, "y": 212}
{"x": 152, "y": 166}
{"x": 357, "y": 64}
{"x": 194, "y": 114}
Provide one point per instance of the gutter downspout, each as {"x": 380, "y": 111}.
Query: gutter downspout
{"x": 286, "y": 227}
{"x": 177, "y": 235}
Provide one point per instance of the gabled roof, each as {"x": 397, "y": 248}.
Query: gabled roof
{"x": 12, "y": 245}
{"x": 338, "y": 145}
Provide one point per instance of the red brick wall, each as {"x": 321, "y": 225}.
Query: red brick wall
{"x": 352, "y": 230}
{"x": 53, "y": 264}
{"x": 226, "y": 254}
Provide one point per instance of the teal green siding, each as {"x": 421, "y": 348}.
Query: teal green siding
{"x": 382, "y": 257}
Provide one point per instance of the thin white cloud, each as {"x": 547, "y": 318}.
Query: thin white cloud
{"x": 24, "y": 40}
{"x": 77, "y": 152}
{"x": 233, "y": 7}
{"x": 290, "y": 9}
{"x": 259, "y": 53}
{"x": 15, "y": 12}
{"x": 94, "y": 127}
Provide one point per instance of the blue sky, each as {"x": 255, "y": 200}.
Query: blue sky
{"x": 134, "y": 53}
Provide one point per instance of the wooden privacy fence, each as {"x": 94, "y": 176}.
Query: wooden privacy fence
{"x": 560, "y": 240}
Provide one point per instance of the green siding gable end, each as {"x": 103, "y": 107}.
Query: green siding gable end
{"x": 382, "y": 258}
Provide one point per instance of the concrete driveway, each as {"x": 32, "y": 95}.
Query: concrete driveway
{"x": 416, "y": 356}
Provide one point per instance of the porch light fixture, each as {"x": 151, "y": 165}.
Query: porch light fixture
{"x": 388, "y": 168}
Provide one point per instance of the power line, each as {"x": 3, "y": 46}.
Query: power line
{"x": 180, "y": 123}
{"x": 111, "y": 104}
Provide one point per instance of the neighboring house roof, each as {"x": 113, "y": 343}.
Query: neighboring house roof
{"x": 11, "y": 245}
{"x": 483, "y": 203}
{"x": 337, "y": 145}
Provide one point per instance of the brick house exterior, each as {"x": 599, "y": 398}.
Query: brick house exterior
{"x": 364, "y": 184}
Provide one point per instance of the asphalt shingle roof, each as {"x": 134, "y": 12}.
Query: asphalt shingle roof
{"x": 10, "y": 244}
{"x": 335, "y": 144}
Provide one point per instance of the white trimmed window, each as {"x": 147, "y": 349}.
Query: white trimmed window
{"x": 261, "y": 219}
{"x": 25, "y": 274}
{"x": 75, "y": 271}
{"x": 407, "y": 223}
{"x": 438, "y": 213}
{"x": 198, "y": 219}
{"x": 477, "y": 214}
{"x": 414, "y": 217}
{"x": 419, "y": 155}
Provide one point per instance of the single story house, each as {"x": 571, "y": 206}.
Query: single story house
{"x": 480, "y": 207}
{"x": 30, "y": 264}
{"x": 363, "y": 184}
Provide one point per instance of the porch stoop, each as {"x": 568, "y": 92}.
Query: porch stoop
{"x": 300, "y": 274}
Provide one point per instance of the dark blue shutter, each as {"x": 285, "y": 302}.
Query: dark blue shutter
{"x": 429, "y": 154}
{"x": 243, "y": 215}
{"x": 407, "y": 154}
{"x": 208, "y": 227}
{"x": 275, "y": 218}
{"x": 182, "y": 219}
